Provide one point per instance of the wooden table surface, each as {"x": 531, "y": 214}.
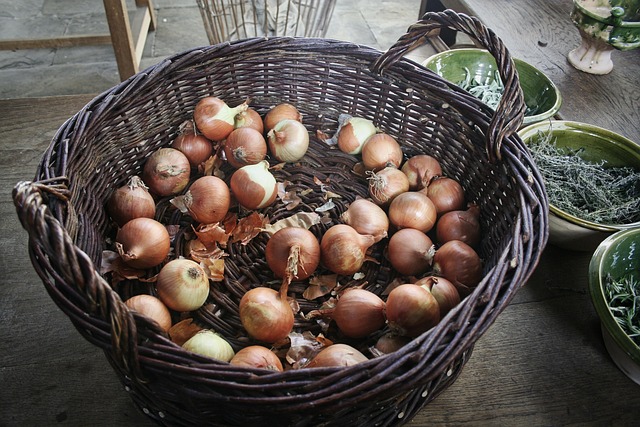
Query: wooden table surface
{"x": 542, "y": 363}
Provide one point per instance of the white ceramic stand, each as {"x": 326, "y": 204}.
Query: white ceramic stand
{"x": 592, "y": 56}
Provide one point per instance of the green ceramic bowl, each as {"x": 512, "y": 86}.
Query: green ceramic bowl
{"x": 541, "y": 95}
{"x": 617, "y": 256}
{"x": 597, "y": 144}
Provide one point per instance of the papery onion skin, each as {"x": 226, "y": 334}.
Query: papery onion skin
{"x": 214, "y": 118}
{"x": 130, "y": 201}
{"x": 420, "y": 170}
{"x": 196, "y": 147}
{"x": 411, "y": 310}
{"x": 460, "y": 225}
{"x": 257, "y": 356}
{"x": 183, "y": 285}
{"x": 249, "y": 118}
{"x": 208, "y": 343}
{"x": 245, "y": 146}
{"x": 410, "y": 251}
{"x": 151, "y": 307}
{"x": 343, "y": 249}
{"x": 460, "y": 264}
{"x": 288, "y": 141}
{"x": 253, "y": 186}
{"x": 367, "y": 217}
{"x": 208, "y": 199}
{"x": 166, "y": 172}
{"x": 359, "y": 312}
{"x": 446, "y": 194}
{"x": 279, "y": 250}
{"x": 353, "y": 133}
{"x": 143, "y": 243}
{"x": 380, "y": 151}
{"x": 282, "y": 111}
{"x": 443, "y": 291}
{"x": 412, "y": 210}
{"x": 266, "y": 315}
{"x": 183, "y": 330}
{"x": 387, "y": 184}
{"x": 337, "y": 355}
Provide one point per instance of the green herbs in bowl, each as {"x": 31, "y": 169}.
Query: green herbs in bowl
{"x": 475, "y": 70}
{"x": 614, "y": 285}
{"x": 592, "y": 178}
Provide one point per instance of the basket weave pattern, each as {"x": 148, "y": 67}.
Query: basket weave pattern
{"x": 106, "y": 142}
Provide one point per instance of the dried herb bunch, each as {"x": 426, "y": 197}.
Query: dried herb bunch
{"x": 623, "y": 299}
{"x": 588, "y": 190}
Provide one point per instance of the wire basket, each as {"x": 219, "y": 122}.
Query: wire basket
{"x": 226, "y": 20}
{"x": 105, "y": 143}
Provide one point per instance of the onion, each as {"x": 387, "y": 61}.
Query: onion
{"x": 208, "y": 343}
{"x": 390, "y": 342}
{"x": 253, "y": 186}
{"x": 386, "y": 184}
{"x": 410, "y": 251}
{"x": 245, "y": 146}
{"x": 460, "y": 225}
{"x": 343, "y": 249}
{"x": 196, "y": 147}
{"x": 412, "y": 310}
{"x": 266, "y": 314}
{"x": 460, "y": 264}
{"x": 353, "y": 133}
{"x": 446, "y": 194}
{"x": 130, "y": 201}
{"x": 359, "y": 313}
{"x": 166, "y": 172}
{"x": 288, "y": 140}
{"x": 412, "y": 210}
{"x": 249, "y": 118}
{"x": 337, "y": 355}
{"x": 151, "y": 307}
{"x": 182, "y": 285}
{"x": 283, "y": 111}
{"x": 207, "y": 200}
{"x": 257, "y": 356}
{"x": 143, "y": 243}
{"x": 183, "y": 330}
{"x": 293, "y": 252}
{"x": 443, "y": 291}
{"x": 367, "y": 218}
{"x": 214, "y": 118}
{"x": 420, "y": 170}
{"x": 381, "y": 150}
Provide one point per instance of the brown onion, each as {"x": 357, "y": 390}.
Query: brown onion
{"x": 410, "y": 251}
{"x": 420, "y": 170}
{"x": 214, "y": 118}
{"x": 353, "y": 133}
{"x": 249, "y": 118}
{"x": 381, "y": 150}
{"x": 460, "y": 225}
{"x": 130, "y": 201}
{"x": 413, "y": 210}
{"x": 266, "y": 314}
{"x": 166, "y": 172}
{"x": 443, "y": 291}
{"x": 196, "y": 147}
{"x": 288, "y": 141}
{"x": 412, "y": 310}
{"x": 151, "y": 307}
{"x": 460, "y": 264}
{"x": 254, "y": 186}
{"x": 390, "y": 342}
{"x": 359, "y": 313}
{"x": 143, "y": 243}
{"x": 207, "y": 200}
{"x": 245, "y": 146}
{"x": 293, "y": 252}
{"x": 337, "y": 355}
{"x": 343, "y": 249}
{"x": 386, "y": 184}
{"x": 257, "y": 356}
{"x": 446, "y": 194}
{"x": 367, "y": 218}
{"x": 183, "y": 285}
{"x": 283, "y": 111}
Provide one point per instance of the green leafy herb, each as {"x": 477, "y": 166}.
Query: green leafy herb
{"x": 587, "y": 190}
{"x": 623, "y": 298}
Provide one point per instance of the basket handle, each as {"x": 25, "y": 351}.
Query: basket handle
{"x": 509, "y": 114}
{"x": 65, "y": 269}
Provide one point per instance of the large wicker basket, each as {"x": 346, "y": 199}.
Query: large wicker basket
{"x": 97, "y": 149}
